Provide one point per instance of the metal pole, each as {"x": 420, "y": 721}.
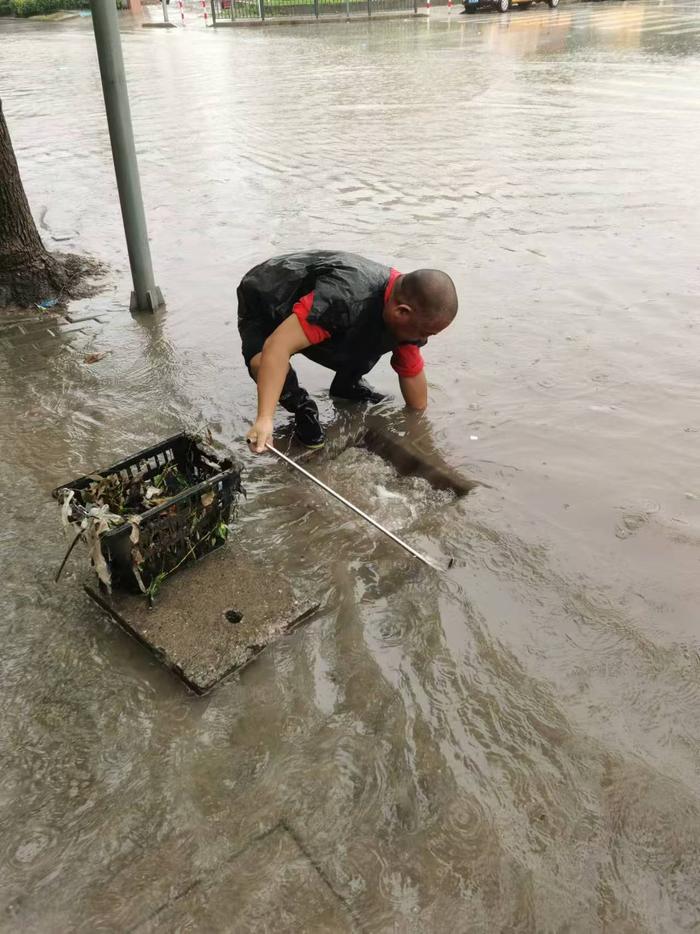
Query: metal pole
{"x": 165, "y": 10}
{"x": 347, "y": 8}
{"x": 146, "y": 295}
{"x": 416, "y": 554}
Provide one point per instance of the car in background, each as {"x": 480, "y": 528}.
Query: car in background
{"x": 503, "y": 6}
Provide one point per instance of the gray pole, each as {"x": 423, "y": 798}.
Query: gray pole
{"x": 146, "y": 295}
{"x": 165, "y": 10}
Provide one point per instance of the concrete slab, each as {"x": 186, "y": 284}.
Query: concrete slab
{"x": 213, "y": 617}
{"x": 11, "y": 319}
{"x": 26, "y": 325}
{"x": 34, "y": 336}
{"x": 77, "y": 318}
{"x": 77, "y": 325}
{"x": 270, "y": 885}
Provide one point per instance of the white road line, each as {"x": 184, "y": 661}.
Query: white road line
{"x": 652, "y": 27}
{"x": 591, "y": 92}
{"x": 683, "y": 32}
{"x": 626, "y": 24}
{"x": 661, "y": 26}
{"x": 631, "y": 15}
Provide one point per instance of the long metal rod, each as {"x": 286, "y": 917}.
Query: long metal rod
{"x": 355, "y": 509}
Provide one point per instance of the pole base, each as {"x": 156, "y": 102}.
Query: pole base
{"x": 154, "y": 300}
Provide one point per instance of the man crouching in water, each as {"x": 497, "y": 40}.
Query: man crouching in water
{"x": 344, "y": 312}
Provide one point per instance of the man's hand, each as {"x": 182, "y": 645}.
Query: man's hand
{"x": 272, "y": 369}
{"x": 260, "y": 434}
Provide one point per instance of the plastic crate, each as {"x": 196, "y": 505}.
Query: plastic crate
{"x": 180, "y": 530}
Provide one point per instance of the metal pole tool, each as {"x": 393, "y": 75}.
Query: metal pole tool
{"x": 416, "y": 554}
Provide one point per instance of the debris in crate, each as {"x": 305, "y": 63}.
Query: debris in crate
{"x": 133, "y": 495}
{"x": 145, "y": 517}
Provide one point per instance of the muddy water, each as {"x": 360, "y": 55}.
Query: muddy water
{"x": 512, "y": 746}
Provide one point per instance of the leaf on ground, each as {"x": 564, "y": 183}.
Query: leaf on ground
{"x": 95, "y": 357}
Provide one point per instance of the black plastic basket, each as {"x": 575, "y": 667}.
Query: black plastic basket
{"x": 184, "y": 528}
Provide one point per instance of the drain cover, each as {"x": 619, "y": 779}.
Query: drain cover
{"x": 193, "y": 627}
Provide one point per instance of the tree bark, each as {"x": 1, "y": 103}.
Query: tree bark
{"x": 18, "y": 233}
{"x": 28, "y": 272}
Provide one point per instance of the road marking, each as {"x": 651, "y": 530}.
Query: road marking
{"x": 683, "y": 32}
{"x": 659, "y": 27}
{"x": 631, "y": 15}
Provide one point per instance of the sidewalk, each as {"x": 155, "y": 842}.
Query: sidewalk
{"x": 32, "y": 336}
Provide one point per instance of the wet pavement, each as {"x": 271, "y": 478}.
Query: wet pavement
{"x": 514, "y": 745}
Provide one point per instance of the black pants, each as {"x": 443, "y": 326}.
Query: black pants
{"x": 255, "y": 326}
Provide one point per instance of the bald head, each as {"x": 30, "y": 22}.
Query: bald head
{"x": 430, "y": 293}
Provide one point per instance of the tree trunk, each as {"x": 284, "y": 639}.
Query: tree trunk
{"x": 18, "y": 233}
{"x": 28, "y": 273}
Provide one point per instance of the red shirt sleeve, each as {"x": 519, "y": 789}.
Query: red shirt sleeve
{"x": 314, "y": 332}
{"x": 407, "y": 360}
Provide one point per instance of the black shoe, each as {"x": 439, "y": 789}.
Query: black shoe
{"x": 307, "y": 427}
{"x": 356, "y": 390}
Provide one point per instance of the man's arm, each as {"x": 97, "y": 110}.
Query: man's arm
{"x": 407, "y": 361}
{"x": 414, "y": 390}
{"x": 287, "y": 339}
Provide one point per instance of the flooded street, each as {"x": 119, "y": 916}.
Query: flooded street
{"x": 511, "y": 746}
